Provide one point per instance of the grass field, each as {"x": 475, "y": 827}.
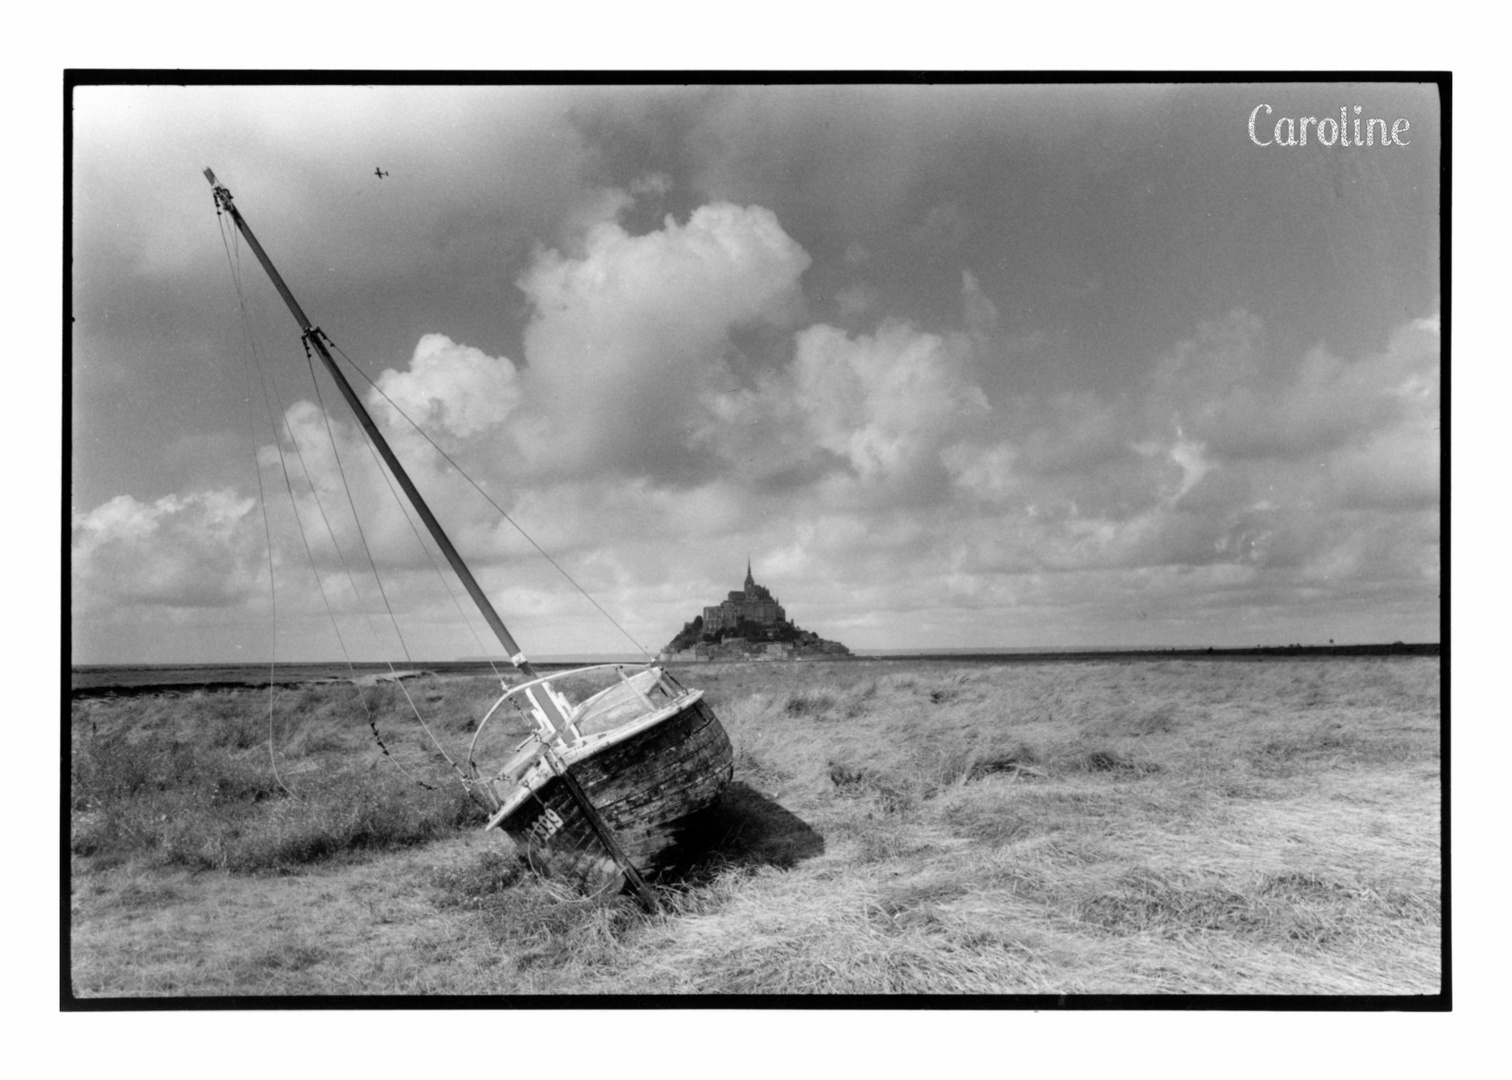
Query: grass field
{"x": 1184, "y": 826}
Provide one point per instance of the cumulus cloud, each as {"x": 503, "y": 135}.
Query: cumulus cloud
{"x": 1306, "y": 454}
{"x": 451, "y": 388}
{"x": 627, "y": 337}
{"x": 186, "y": 551}
{"x": 641, "y": 440}
{"x": 347, "y": 509}
{"x": 1170, "y": 501}
{"x": 871, "y": 417}
{"x": 887, "y": 403}
{"x": 917, "y": 400}
{"x": 1226, "y": 390}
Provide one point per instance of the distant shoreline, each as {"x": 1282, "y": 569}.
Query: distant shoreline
{"x": 95, "y": 680}
{"x": 1396, "y": 648}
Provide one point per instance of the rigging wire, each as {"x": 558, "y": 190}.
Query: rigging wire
{"x": 367, "y": 551}
{"x": 502, "y": 513}
{"x": 435, "y": 566}
{"x": 352, "y": 584}
{"x": 262, "y": 502}
{"x": 346, "y": 570}
{"x": 282, "y": 413}
{"x": 356, "y": 518}
{"x": 265, "y": 379}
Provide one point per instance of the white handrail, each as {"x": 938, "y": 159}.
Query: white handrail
{"x": 513, "y": 690}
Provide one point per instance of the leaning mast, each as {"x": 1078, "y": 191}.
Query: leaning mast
{"x": 548, "y": 702}
{"x": 314, "y": 338}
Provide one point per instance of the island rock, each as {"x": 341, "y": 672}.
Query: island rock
{"x": 748, "y": 624}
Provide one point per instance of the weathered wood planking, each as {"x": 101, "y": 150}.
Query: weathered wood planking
{"x": 642, "y": 789}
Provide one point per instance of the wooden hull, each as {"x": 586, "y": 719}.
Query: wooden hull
{"x": 644, "y": 787}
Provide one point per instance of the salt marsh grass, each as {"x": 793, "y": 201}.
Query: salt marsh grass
{"x": 1177, "y": 826}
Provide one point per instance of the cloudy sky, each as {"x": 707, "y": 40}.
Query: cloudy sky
{"x": 953, "y": 365}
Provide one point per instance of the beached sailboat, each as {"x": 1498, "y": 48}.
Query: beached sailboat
{"x": 601, "y": 793}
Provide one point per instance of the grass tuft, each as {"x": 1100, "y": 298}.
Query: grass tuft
{"x": 1111, "y": 761}
{"x": 891, "y": 793}
{"x": 1055, "y": 827}
{"x": 815, "y": 704}
{"x": 185, "y": 792}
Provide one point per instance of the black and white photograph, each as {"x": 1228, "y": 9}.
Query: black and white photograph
{"x": 678, "y": 539}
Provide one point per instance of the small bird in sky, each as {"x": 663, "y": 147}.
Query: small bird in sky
{"x": 379, "y": 173}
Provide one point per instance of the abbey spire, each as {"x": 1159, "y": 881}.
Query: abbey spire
{"x": 748, "y": 622}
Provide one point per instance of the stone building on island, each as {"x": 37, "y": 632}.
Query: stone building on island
{"x": 748, "y": 622}
{"x": 753, "y": 604}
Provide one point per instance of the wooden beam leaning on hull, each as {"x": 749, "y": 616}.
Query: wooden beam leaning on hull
{"x": 644, "y": 807}
{"x": 644, "y": 766}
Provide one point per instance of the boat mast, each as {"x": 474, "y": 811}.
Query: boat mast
{"x": 546, "y": 702}
{"x": 315, "y": 338}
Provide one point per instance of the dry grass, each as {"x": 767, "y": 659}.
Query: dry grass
{"x": 1148, "y": 826}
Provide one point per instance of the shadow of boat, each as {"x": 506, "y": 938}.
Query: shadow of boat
{"x": 743, "y": 828}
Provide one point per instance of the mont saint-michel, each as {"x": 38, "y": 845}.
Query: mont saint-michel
{"x": 748, "y": 622}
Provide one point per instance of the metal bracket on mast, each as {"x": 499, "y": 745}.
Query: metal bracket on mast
{"x": 218, "y": 191}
